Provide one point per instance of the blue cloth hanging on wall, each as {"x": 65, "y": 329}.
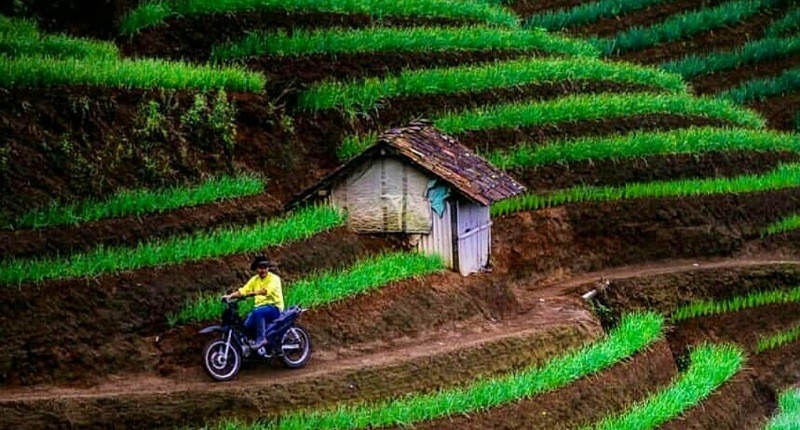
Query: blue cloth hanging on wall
{"x": 437, "y": 194}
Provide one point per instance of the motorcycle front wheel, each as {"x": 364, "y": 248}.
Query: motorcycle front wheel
{"x": 296, "y": 347}
{"x": 220, "y": 360}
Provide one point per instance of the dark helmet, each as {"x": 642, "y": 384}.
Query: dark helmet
{"x": 260, "y": 261}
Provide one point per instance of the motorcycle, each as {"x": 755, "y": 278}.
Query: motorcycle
{"x": 222, "y": 357}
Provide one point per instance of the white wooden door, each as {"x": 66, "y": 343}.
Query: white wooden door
{"x": 474, "y": 237}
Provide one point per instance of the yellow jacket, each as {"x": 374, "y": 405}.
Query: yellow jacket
{"x": 271, "y": 283}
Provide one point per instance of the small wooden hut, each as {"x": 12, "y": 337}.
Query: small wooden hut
{"x": 418, "y": 181}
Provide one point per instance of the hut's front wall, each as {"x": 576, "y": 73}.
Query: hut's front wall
{"x": 385, "y": 195}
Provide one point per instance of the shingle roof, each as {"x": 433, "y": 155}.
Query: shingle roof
{"x": 440, "y": 155}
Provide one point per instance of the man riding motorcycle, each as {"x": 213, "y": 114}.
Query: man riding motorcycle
{"x": 266, "y": 286}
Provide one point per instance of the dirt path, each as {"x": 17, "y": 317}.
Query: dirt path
{"x": 550, "y": 304}
{"x": 553, "y": 320}
{"x": 585, "y": 282}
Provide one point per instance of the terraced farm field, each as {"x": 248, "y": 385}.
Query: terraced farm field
{"x": 648, "y": 277}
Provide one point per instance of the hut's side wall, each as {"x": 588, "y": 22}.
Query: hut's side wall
{"x": 440, "y": 241}
{"x": 474, "y": 236}
{"x": 385, "y": 196}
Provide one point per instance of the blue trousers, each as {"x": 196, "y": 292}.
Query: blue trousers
{"x": 259, "y": 318}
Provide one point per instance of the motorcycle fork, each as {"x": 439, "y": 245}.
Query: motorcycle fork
{"x": 228, "y": 343}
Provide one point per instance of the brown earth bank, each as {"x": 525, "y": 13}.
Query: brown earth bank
{"x": 130, "y": 230}
{"x": 720, "y": 81}
{"x": 487, "y": 140}
{"x": 65, "y": 143}
{"x": 650, "y": 168}
{"x": 586, "y": 237}
{"x": 609, "y": 27}
{"x": 101, "y": 321}
{"x": 193, "y": 37}
{"x": 744, "y": 327}
{"x": 580, "y": 403}
{"x": 665, "y": 292}
{"x": 728, "y": 37}
{"x": 529, "y": 246}
{"x": 447, "y": 359}
{"x": 781, "y": 111}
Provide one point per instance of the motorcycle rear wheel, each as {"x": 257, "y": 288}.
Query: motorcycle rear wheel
{"x": 219, "y": 366}
{"x": 296, "y": 347}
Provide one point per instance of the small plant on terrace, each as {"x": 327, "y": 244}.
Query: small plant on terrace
{"x": 222, "y": 119}
{"x": 150, "y": 125}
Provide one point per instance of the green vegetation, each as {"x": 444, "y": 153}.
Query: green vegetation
{"x": 175, "y": 250}
{"x": 778, "y": 339}
{"x": 20, "y": 37}
{"x": 329, "y": 287}
{"x": 634, "y": 333}
{"x": 588, "y": 107}
{"x": 586, "y": 13}
{"x": 353, "y": 145}
{"x": 35, "y": 71}
{"x": 143, "y": 201}
{"x": 752, "y": 52}
{"x": 17, "y": 27}
{"x": 154, "y": 13}
{"x": 789, "y": 417}
{"x": 759, "y": 89}
{"x": 417, "y": 39}
{"x": 367, "y": 93}
{"x": 682, "y": 25}
{"x": 785, "y": 176}
{"x": 788, "y": 24}
{"x": 711, "y": 366}
{"x": 703, "y": 308}
{"x": 784, "y": 225}
{"x": 694, "y": 140}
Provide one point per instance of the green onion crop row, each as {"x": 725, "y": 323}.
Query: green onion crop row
{"x": 586, "y": 13}
{"x": 594, "y": 106}
{"x": 17, "y": 27}
{"x": 752, "y": 52}
{"x": 19, "y": 37}
{"x": 154, "y": 13}
{"x": 329, "y": 287}
{"x": 711, "y": 366}
{"x": 692, "y": 140}
{"x": 759, "y": 89}
{"x": 703, "y": 308}
{"x": 682, "y": 25}
{"x": 382, "y": 39}
{"x": 175, "y": 250}
{"x": 634, "y": 333}
{"x": 784, "y": 225}
{"x": 788, "y": 24}
{"x": 143, "y": 201}
{"x": 367, "y": 93}
{"x": 778, "y": 339}
{"x": 785, "y": 176}
{"x": 27, "y": 71}
{"x": 789, "y": 416}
